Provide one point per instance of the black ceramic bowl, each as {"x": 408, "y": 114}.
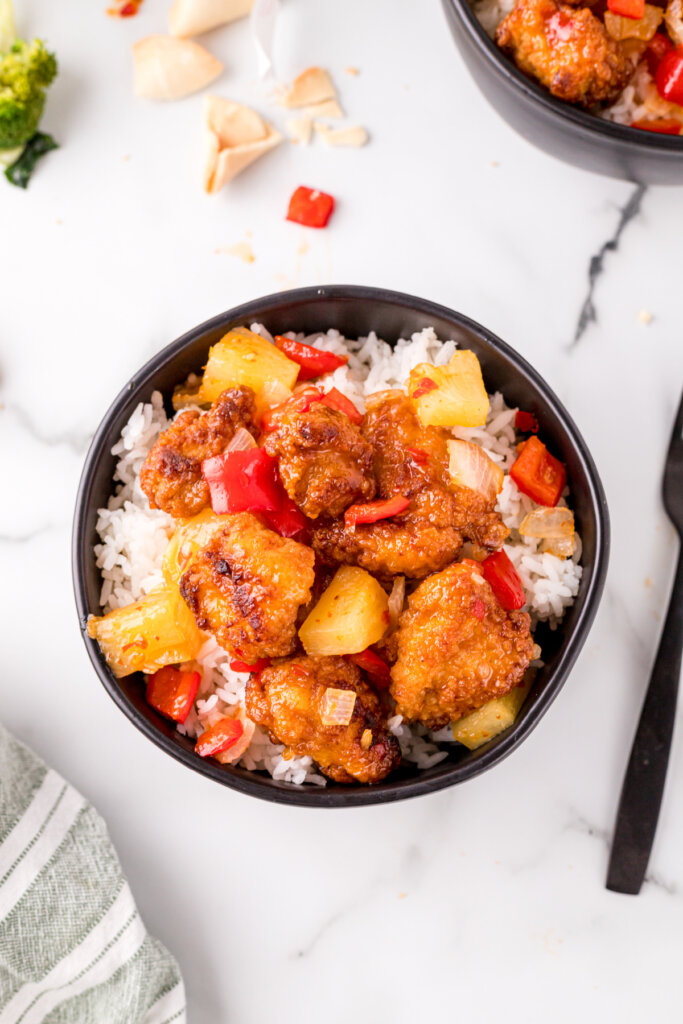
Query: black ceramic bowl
{"x": 560, "y": 129}
{"x": 354, "y": 311}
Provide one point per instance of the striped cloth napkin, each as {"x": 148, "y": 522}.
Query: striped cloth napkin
{"x": 73, "y": 949}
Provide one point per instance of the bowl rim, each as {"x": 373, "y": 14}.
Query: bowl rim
{"x": 509, "y": 72}
{"x": 254, "y": 783}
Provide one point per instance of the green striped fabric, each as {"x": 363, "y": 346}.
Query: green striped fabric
{"x": 73, "y": 949}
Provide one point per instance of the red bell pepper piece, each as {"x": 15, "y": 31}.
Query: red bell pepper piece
{"x": 655, "y": 50}
{"x": 669, "y": 76}
{"x": 424, "y": 387}
{"x": 218, "y": 737}
{"x": 172, "y": 691}
{"x": 314, "y": 362}
{"x": 627, "y": 8}
{"x": 526, "y": 422}
{"x": 418, "y": 455}
{"x": 538, "y": 473}
{"x": 336, "y": 400}
{"x": 310, "y": 207}
{"x": 501, "y": 575}
{"x": 242, "y": 666}
{"x": 369, "y": 661}
{"x": 243, "y": 481}
{"x": 665, "y": 126}
{"x": 373, "y": 511}
{"x": 300, "y": 402}
{"x": 288, "y": 520}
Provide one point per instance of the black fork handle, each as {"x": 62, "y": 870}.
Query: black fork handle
{"x": 641, "y": 795}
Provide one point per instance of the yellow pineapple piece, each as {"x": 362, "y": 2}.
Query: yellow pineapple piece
{"x": 190, "y": 535}
{"x": 352, "y": 614}
{"x": 158, "y": 630}
{"x": 450, "y": 396}
{"x": 242, "y": 357}
{"x": 492, "y": 718}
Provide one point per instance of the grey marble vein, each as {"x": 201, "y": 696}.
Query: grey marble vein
{"x": 581, "y": 824}
{"x": 26, "y": 538}
{"x": 75, "y": 440}
{"x": 588, "y": 314}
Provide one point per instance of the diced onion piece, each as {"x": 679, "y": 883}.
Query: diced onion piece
{"x": 635, "y": 28}
{"x": 396, "y": 599}
{"x": 673, "y": 18}
{"x": 366, "y": 739}
{"x": 242, "y": 441}
{"x": 554, "y": 526}
{"x": 470, "y": 466}
{"x": 338, "y": 706}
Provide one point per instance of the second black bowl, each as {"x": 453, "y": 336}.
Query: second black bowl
{"x": 563, "y": 131}
{"x": 355, "y": 312}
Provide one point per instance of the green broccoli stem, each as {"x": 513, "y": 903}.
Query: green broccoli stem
{"x": 10, "y": 156}
{"x": 8, "y": 33}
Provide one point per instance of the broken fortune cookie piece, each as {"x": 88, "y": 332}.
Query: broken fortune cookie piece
{"x": 311, "y": 87}
{"x": 235, "y": 136}
{"x": 165, "y": 68}
{"x": 192, "y": 17}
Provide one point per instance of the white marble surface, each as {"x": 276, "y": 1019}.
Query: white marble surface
{"x": 482, "y": 901}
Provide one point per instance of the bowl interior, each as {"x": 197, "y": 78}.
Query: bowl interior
{"x": 355, "y": 312}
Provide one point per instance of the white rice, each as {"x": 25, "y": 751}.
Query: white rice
{"x": 638, "y": 101}
{"x": 134, "y": 537}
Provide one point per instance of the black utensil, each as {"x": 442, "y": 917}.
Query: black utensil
{"x": 641, "y": 795}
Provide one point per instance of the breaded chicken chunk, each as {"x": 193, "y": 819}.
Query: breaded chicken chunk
{"x": 567, "y": 49}
{"x": 288, "y": 699}
{"x": 457, "y": 648}
{"x": 171, "y": 475}
{"x": 324, "y": 462}
{"x": 246, "y": 585}
{"x": 410, "y": 460}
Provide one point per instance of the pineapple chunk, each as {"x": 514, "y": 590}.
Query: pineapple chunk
{"x": 352, "y": 614}
{"x": 492, "y": 718}
{"x": 158, "y": 630}
{"x": 459, "y": 398}
{"x": 242, "y": 357}
{"x": 189, "y": 537}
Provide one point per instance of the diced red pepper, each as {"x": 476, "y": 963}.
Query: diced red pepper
{"x": 369, "y": 661}
{"x": 336, "y": 400}
{"x": 418, "y": 455}
{"x": 243, "y": 481}
{"x": 310, "y": 207}
{"x": 665, "y": 126}
{"x": 218, "y": 737}
{"x": 627, "y": 8}
{"x": 172, "y": 691}
{"x": 538, "y": 473}
{"x": 526, "y": 422}
{"x": 424, "y": 387}
{"x": 299, "y": 402}
{"x": 669, "y": 76}
{"x": 314, "y": 362}
{"x": 242, "y": 666}
{"x": 288, "y": 520}
{"x": 501, "y": 575}
{"x": 373, "y": 511}
{"x": 655, "y": 50}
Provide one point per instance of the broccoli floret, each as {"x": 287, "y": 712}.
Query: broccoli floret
{"x": 25, "y": 73}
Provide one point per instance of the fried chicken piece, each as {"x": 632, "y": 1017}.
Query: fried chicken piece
{"x": 457, "y": 648}
{"x": 288, "y": 700}
{"x": 567, "y": 49}
{"x": 411, "y": 460}
{"x": 171, "y": 475}
{"x": 324, "y": 462}
{"x": 246, "y": 585}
